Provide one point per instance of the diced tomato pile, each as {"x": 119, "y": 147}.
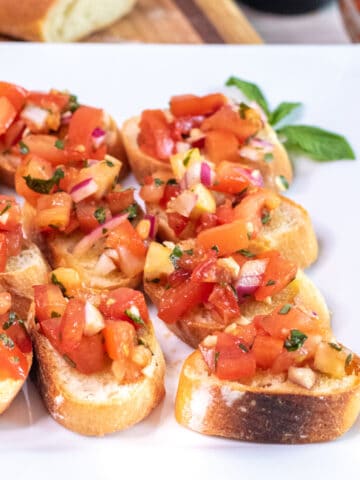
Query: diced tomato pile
{"x": 10, "y": 229}
{"x": 15, "y": 343}
{"x": 222, "y": 128}
{"x": 91, "y": 347}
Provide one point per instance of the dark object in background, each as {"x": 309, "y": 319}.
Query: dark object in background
{"x": 286, "y": 7}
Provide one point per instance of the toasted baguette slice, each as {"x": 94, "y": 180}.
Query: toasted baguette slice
{"x": 289, "y": 231}
{"x": 96, "y": 404}
{"x": 10, "y": 388}
{"x": 143, "y": 165}
{"x": 23, "y": 271}
{"x": 198, "y": 323}
{"x": 59, "y": 20}
{"x": 269, "y": 409}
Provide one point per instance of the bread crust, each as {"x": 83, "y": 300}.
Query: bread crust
{"x": 278, "y": 414}
{"x": 196, "y": 325}
{"x": 88, "y": 416}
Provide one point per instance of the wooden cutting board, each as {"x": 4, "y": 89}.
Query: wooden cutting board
{"x": 181, "y": 21}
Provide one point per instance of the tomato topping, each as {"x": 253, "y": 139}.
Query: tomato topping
{"x": 72, "y": 325}
{"x": 206, "y": 220}
{"x": 120, "y": 339}
{"x": 176, "y": 301}
{"x": 13, "y": 363}
{"x": 170, "y": 191}
{"x": 279, "y": 323}
{"x": 230, "y": 178}
{"x": 3, "y": 252}
{"x": 50, "y": 327}
{"x": 49, "y": 302}
{"x": 227, "y": 238}
{"x": 53, "y": 211}
{"x": 278, "y": 274}
{"x": 82, "y": 124}
{"x": 89, "y": 357}
{"x": 152, "y": 191}
{"x": 7, "y": 114}
{"x": 155, "y": 135}
{"x": 49, "y": 101}
{"x": 232, "y": 359}
{"x": 126, "y": 236}
{"x": 221, "y": 145}
{"x": 177, "y": 222}
{"x": 191, "y": 105}
{"x": 119, "y": 201}
{"x": 48, "y": 147}
{"x": 266, "y": 349}
{"x": 114, "y": 304}
{"x": 13, "y": 327}
{"x": 182, "y": 126}
{"x": 209, "y": 271}
{"x": 230, "y": 121}
{"x": 90, "y": 214}
{"x": 16, "y": 95}
{"x": 246, "y": 333}
{"x": 35, "y": 167}
{"x": 224, "y": 300}
{"x": 14, "y": 240}
{"x": 13, "y": 134}
{"x": 10, "y": 213}
{"x": 225, "y": 213}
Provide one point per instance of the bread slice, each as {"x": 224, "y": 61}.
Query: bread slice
{"x": 96, "y": 404}
{"x": 10, "y": 388}
{"x": 59, "y": 20}
{"x": 199, "y": 323}
{"x": 143, "y": 165}
{"x": 269, "y": 409}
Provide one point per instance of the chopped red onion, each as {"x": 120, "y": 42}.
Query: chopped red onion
{"x": 205, "y": 174}
{"x": 66, "y": 117}
{"x": 264, "y": 145}
{"x": 83, "y": 190}
{"x": 197, "y": 142}
{"x": 251, "y": 274}
{"x": 98, "y": 137}
{"x": 152, "y": 221}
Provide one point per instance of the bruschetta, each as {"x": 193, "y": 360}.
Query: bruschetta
{"x": 15, "y": 347}
{"x": 82, "y": 219}
{"x": 220, "y": 128}
{"x": 279, "y": 378}
{"x": 21, "y": 263}
{"x": 55, "y": 127}
{"x": 199, "y": 289}
{"x": 201, "y": 196}
{"x": 100, "y": 368}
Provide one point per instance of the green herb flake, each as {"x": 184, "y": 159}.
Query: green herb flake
{"x": 109, "y": 163}
{"x": 246, "y": 253}
{"x": 335, "y": 346}
{"x": 132, "y": 211}
{"x": 100, "y": 215}
{"x": 12, "y": 318}
{"x": 295, "y": 341}
{"x": 188, "y": 157}
{"x": 55, "y": 281}
{"x": 158, "y": 182}
{"x": 285, "y": 309}
{"x": 135, "y": 317}
{"x": 69, "y": 361}
{"x": 6, "y": 340}
{"x": 104, "y": 230}
{"x": 44, "y": 186}
{"x": 265, "y": 218}
{"x": 24, "y": 149}
{"x": 6, "y": 208}
{"x": 14, "y": 359}
{"x": 282, "y": 111}
{"x": 268, "y": 157}
{"x": 215, "y": 248}
{"x": 283, "y": 181}
{"x": 348, "y": 360}
{"x": 270, "y": 282}
{"x": 73, "y": 103}
{"x": 171, "y": 181}
{"x": 251, "y": 91}
{"x": 243, "y": 347}
{"x": 189, "y": 252}
{"x": 55, "y": 314}
{"x": 175, "y": 255}
{"x": 155, "y": 280}
{"x": 59, "y": 144}
{"x": 243, "y": 107}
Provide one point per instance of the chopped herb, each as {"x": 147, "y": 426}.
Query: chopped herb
{"x": 249, "y": 235}
{"x": 24, "y": 149}
{"x": 335, "y": 346}
{"x": 109, "y": 163}
{"x": 295, "y": 341}
{"x": 234, "y": 291}
{"x": 6, "y": 208}
{"x": 270, "y": 282}
{"x": 100, "y": 215}
{"x": 246, "y": 253}
{"x": 13, "y": 317}
{"x": 132, "y": 211}
{"x": 73, "y": 103}
{"x": 158, "y": 182}
{"x": 187, "y": 157}
{"x": 7, "y": 341}
{"x": 283, "y": 181}
{"x": 189, "y": 252}
{"x": 55, "y": 314}
{"x": 55, "y": 281}
{"x": 175, "y": 255}
{"x": 171, "y": 181}
{"x": 285, "y": 309}
{"x": 134, "y": 317}
{"x": 216, "y": 248}
{"x": 51, "y": 225}
{"x": 85, "y": 163}
{"x": 265, "y": 218}
{"x": 242, "y": 109}
{"x": 242, "y": 192}
{"x": 243, "y": 347}
{"x": 59, "y": 144}
{"x": 268, "y": 157}
{"x": 14, "y": 359}
{"x": 217, "y": 355}
{"x": 348, "y": 360}
{"x": 167, "y": 286}
{"x": 104, "y": 230}
{"x": 44, "y": 186}
{"x": 69, "y": 361}
{"x": 155, "y": 280}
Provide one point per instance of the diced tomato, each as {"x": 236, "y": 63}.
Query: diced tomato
{"x": 211, "y": 272}
{"x": 17, "y": 332}
{"x": 10, "y": 213}
{"x": 246, "y": 333}
{"x": 227, "y": 238}
{"x": 177, "y": 222}
{"x": 225, "y": 213}
{"x": 15, "y": 94}
{"x": 207, "y": 220}
{"x": 35, "y": 167}
{"x": 114, "y": 304}
{"x": 266, "y": 349}
{"x": 233, "y": 362}
{"x": 151, "y": 192}
{"x": 221, "y": 145}
{"x": 50, "y": 327}
{"x": 191, "y": 105}
{"x": 126, "y": 236}
{"x": 119, "y": 200}
{"x": 13, "y": 363}
{"x": 53, "y": 211}
{"x": 49, "y": 302}
{"x": 120, "y": 339}
{"x": 85, "y": 214}
{"x": 224, "y": 300}
{"x": 230, "y": 178}
{"x": 82, "y": 124}
{"x": 44, "y": 146}
{"x": 171, "y": 191}
{"x": 229, "y": 120}
{"x": 155, "y": 135}
{"x": 176, "y": 301}
{"x": 283, "y": 362}
{"x": 14, "y": 133}
{"x": 195, "y": 257}
{"x": 72, "y": 225}
{"x": 7, "y": 114}
{"x": 14, "y": 240}
{"x": 278, "y": 325}
{"x": 278, "y": 274}
{"x": 177, "y": 277}
{"x": 49, "y": 100}
{"x": 3, "y": 252}
{"x": 71, "y": 178}
{"x": 182, "y": 126}
{"x": 89, "y": 357}
{"x": 72, "y": 324}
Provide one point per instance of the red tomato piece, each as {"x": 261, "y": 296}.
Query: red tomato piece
{"x": 49, "y": 100}
{"x": 176, "y": 301}
{"x": 209, "y": 271}
{"x": 221, "y": 145}
{"x": 191, "y": 105}
{"x": 14, "y": 240}
{"x": 246, "y": 333}
{"x": 120, "y": 339}
{"x": 233, "y": 361}
{"x": 225, "y": 213}
{"x": 53, "y": 211}
{"x": 7, "y": 114}
{"x": 89, "y": 357}
{"x": 227, "y": 238}
{"x": 126, "y": 236}
{"x": 82, "y": 124}
{"x": 13, "y": 363}
{"x": 15, "y": 94}
{"x": 14, "y": 133}
{"x": 230, "y": 178}
{"x": 85, "y": 214}
{"x": 10, "y": 213}
{"x": 177, "y": 222}
{"x": 3, "y": 252}
{"x": 44, "y": 146}
{"x": 118, "y": 201}
{"x": 51, "y": 329}
{"x": 151, "y": 191}
{"x": 72, "y": 324}
{"x": 114, "y": 304}
{"x": 34, "y": 167}
{"x": 266, "y": 349}
{"x": 155, "y": 135}
{"x": 224, "y": 300}
{"x": 17, "y": 332}
{"x": 207, "y": 220}
{"x": 182, "y": 126}
{"x": 49, "y": 302}
{"x": 278, "y": 325}
{"x": 170, "y": 191}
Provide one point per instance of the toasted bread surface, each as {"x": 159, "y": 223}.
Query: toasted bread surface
{"x": 268, "y": 409}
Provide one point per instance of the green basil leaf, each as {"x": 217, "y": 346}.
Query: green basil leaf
{"x": 251, "y": 91}
{"x": 44, "y": 186}
{"x": 283, "y": 110}
{"x": 319, "y": 144}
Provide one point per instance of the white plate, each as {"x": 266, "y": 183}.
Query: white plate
{"x": 124, "y": 80}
